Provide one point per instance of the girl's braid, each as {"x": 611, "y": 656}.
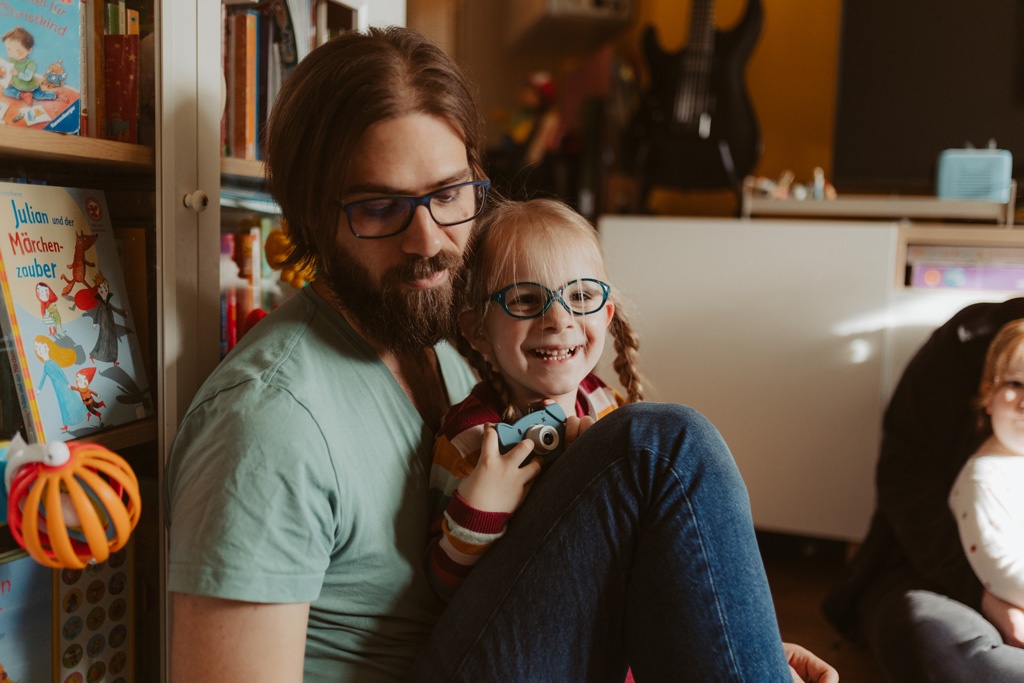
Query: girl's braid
{"x": 487, "y": 374}
{"x": 625, "y": 364}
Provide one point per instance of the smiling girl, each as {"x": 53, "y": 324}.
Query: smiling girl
{"x": 538, "y": 309}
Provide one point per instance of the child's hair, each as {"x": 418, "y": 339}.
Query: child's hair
{"x": 1007, "y": 342}
{"x": 22, "y": 36}
{"x": 549, "y": 229}
{"x": 62, "y": 355}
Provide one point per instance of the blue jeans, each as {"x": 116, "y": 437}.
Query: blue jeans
{"x": 634, "y": 549}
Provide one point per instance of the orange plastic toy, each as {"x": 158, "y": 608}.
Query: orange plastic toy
{"x": 69, "y": 503}
{"x": 277, "y": 248}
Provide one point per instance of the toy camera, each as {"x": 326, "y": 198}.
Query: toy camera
{"x": 69, "y": 503}
{"x": 544, "y": 427}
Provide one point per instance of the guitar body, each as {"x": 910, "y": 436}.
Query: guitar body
{"x": 696, "y": 135}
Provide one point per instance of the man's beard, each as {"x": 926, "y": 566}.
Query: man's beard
{"x": 395, "y": 316}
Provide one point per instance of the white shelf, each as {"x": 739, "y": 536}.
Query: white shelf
{"x": 893, "y": 207}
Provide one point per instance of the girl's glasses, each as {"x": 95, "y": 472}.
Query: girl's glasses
{"x": 530, "y": 299}
{"x": 386, "y": 216}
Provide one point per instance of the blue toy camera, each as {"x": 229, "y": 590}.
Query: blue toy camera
{"x": 544, "y": 427}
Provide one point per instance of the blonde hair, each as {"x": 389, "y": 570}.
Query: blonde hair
{"x": 1007, "y": 343}
{"x": 548, "y": 231}
{"x": 63, "y": 356}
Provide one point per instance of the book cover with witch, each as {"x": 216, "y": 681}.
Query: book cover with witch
{"x": 71, "y": 338}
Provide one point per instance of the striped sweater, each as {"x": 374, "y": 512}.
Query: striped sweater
{"x": 460, "y": 534}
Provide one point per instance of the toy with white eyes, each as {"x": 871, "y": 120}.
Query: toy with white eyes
{"x": 69, "y": 504}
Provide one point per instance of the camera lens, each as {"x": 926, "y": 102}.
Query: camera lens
{"x": 544, "y": 437}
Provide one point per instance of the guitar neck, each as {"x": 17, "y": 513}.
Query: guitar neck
{"x": 691, "y": 102}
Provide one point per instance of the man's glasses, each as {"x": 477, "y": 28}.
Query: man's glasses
{"x": 386, "y": 216}
{"x": 529, "y": 299}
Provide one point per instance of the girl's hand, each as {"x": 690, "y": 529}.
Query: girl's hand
{"x": 497, "y": 483}
{"x": 575, "y": 426}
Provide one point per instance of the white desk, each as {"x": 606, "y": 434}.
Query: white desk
{"x": 789, "y": 335}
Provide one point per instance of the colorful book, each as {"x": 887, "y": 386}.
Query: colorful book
{"x": 66, "y": 317}
{"x": 41, "y": 66}
{"x": 26, "y": 619}
{"x": 94, "y": 614}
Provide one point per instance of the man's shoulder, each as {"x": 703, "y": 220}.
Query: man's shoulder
{"x": 297, "y": 347}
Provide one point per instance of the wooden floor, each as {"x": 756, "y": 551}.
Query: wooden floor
{"x": 800, "y": 572}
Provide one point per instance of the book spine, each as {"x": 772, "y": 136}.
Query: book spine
{"x": 85, "y": 85}
{"x": 245, "y": 257}
{"x": 256, "y": 272}
{"x": 231, "y": 78}
{"x": 94, "y": 66}
{"x": 251, "y": 83}
{"x": 121, "y": 87}
{"x": 13, "y": 346}
{"x": 264, "y": 47}
{"x": 242, "y": 68}
{"x": 225, "y": 83}
{"x": 228, "y": 296}
{"x": 112, "y": 21}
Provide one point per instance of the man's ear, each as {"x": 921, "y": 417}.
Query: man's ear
{"x": 471, "y": 324}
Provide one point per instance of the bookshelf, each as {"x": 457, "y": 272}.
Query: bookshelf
{"x": 145, "y": 185}
{"x": 27, "y": 145}
{"x": 241, "y": 168}
{"x": 243, "y": 196}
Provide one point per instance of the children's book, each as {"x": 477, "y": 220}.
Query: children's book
{"x": 41, "y": 64}
{"x": 66, "y": 625}
{"x": 26, "y": 619}
{"x": 65, "y": 315}
{"x": 93, "y": 620}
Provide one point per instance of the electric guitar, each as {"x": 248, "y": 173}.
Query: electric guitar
{"x": 695, "y": 127}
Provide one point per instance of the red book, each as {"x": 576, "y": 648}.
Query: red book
{"x": 121, "y": 88}
{"x": 228, "y": 295}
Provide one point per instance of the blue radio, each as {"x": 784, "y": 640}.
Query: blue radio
{"x": 976, "y": 174}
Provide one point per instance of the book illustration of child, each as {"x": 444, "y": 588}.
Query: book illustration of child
{"x": 48, "y": 308}
{"x": 83, "y": 380}
{"x": 537, "y": 310}
{"x": 54, "y": 358}
{"x": 24, "y": 85}
{"x": 986, "y": 496}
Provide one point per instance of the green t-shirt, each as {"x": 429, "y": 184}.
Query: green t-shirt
{"x": 299, "y": 474}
